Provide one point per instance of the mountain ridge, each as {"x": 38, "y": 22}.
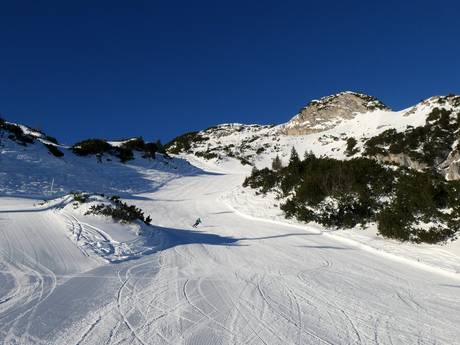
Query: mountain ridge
{"x": 418, "y": 127}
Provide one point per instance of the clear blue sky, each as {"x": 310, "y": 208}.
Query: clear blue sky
{"x": 111, "y": 69}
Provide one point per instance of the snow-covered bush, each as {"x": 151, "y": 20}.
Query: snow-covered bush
{"x": 91, "y": 147}
{"x": 15, "y": 133}
{"x": 54, "y": 150}
{"x": 118, "y": 210}
{"x": 408, "y": 205}
{"x": 428, "y": 144}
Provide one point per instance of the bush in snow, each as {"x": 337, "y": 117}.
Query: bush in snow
{"x": 408, "y": 205}
{"x": 80, "y": 197}
{"x": 276, "y": 163}
{"x": 351, "y": 147}
{"x": 51, "y": 139}
{"x": 115, "y": 208}
{"x": 99, "y": 147}
{"x": 137, "y": 144}
{"x": 91, "y": 147}
{"x": 16, "y": 133}
{"x": 123, "y": 154}
{"x": 206, "y": 154}
{"x": 54, "y": 150}
{"x": 429, "y": 144}
{"x": 120, "y": 211}
{"x": 184, "y": 142}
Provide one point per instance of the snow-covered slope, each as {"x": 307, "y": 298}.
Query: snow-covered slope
{"x": 235, "y": 280}
{"x": 66, "y": 276}
{"x": 325, "y": 136}
{"x": 31, "y": 169}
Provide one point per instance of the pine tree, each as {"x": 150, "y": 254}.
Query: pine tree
{"x": 276, "y": 163}
{"x": 160, "y": 147}
{"x": 308, "y": 154}
{"x": 294, "y": 159}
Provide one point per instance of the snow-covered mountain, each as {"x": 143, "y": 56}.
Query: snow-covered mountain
{"x": 342, "y": 126}
{"x": 93, "y": 268}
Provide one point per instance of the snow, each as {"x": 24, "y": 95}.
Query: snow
{"x": 245, "y": 140}
{"x": 444, "y": 259}
{"x": 245, "y": 276}
{"x": 30, "y": 170}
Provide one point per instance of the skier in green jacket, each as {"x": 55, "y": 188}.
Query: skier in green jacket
{"x": 197, "y": 222}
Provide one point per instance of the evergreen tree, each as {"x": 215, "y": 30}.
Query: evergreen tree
{"x": 160, "y": 147}
{"x": 294, "y": 159}
{"x": 149, "y": 150}
{"x": 308, "y": 154}
{"x": 276, "y": 163}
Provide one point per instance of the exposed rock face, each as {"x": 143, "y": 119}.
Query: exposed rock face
{"x": 402, "y": 160}
{"x": 451, "y": 166}
{"x": 326, "y": 113}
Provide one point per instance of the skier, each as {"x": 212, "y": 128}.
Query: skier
{"x": 197, "y": 222}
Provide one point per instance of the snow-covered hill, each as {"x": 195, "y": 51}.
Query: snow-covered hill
{"x": 30, "y": 166}
{"x": 339, "y": 126}
{"x": 245, "y": 276}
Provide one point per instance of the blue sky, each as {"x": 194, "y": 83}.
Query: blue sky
{"x": 112, "y": 69}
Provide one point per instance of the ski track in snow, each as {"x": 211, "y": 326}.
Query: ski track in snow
{"x": 234, "y": 280}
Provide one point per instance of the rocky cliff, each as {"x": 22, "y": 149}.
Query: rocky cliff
{"x": 326, "y": 113}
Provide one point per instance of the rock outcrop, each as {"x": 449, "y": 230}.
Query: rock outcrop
{"x": 323, "y": 114}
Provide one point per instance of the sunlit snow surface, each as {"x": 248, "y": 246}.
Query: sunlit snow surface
{"x": 243, "y": 277}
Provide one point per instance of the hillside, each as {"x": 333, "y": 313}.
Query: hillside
{"x": 97, "y": 247}
{"x": 33, "y": 163}
{"x": 422, "y": 136}
{"x": 401, "y": 149}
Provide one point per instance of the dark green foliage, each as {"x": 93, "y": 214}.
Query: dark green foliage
{"x": 183, "y": 143}
{"x": 51, "y": 139}
{"x": 264, "y": 180}
{"x": 260, "y": 150}
{"x": 429, "y": 144}
{"x": 137, "y": 144}
{"x": 160, "y": 147}
{"x": 351, "y": 147}
{"x": 91, "y": 147}
{"x": 120, "y": 211}
{"x": 354, "y": 186}
{"x": 16, "y": 133}
{"x": 206, "y": 154}
{"x": 80, "y": 197}
{"x": 114, "y": 198}
{"x": 393, "y": 222}
{"x": 276, "y": 163}
{"x": 347, "y": 193}
{"x": 54, "y": 150}
{"x": 244, "y": 160}
{"x": 150, "y": 149}
{"x": 420, "y": 197}
{"x": 294, "y": 159}
{"x": 124, "y": 154}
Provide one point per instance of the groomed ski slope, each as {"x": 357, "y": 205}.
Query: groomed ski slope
{"x": 235, "y": 280}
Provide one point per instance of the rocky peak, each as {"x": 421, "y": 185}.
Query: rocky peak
{"x": 323, "y": 114}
